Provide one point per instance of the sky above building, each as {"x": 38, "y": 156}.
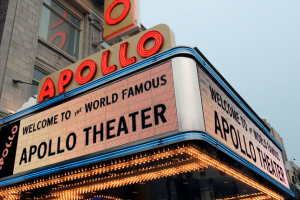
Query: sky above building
{"x": 255, "y": 45}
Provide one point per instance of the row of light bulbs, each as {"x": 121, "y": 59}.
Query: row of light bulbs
{"x": 255, "y": 196}
{"x": 239, "y": 176}
{"x": 14, "y": 192}
{"x": 96, "y": 187}
{"x": 83, "y": 173}
{"x": 197, "y": 160}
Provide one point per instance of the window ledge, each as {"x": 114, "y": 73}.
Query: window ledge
{"x": 57, "y": 49}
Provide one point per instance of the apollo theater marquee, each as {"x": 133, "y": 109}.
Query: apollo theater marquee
{"x": 142, "y": 119}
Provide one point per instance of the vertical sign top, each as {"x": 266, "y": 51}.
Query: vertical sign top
{"x": 121, "y": 17}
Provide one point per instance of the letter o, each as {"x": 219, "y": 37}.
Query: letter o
{"x": 69, "y": 148}
{"x": 145, "y": 85}
{"x": 108, "y": 18}
{"x": 5, "y": 152}
{"x": 40, "y": 156}
{"x": 14, "y": 129}
{"x": 68, "y": 115}
{"x": 63, "y": 38}
{"x": 96, "y": 104}
{"x": 159, "y": 40}
{"x": 44, "y": 124}
{"x": 93, "y": 69}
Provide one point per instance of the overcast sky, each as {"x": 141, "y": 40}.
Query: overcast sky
{"x": 254, "y": 44}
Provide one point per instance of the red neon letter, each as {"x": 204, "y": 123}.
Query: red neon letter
{"x": 63, "y": 38}
{"x": 159, "y": 40}
{"x": 48, "y": 90}
{"x": 8, "y": 145}
{"x": 122, "y": 56}
{"x": 60, "y": 21}
{"x": 5, "y": 152}
{"x": 93, "y": 69}
{"x": 108, "y": 18}
{"x": 11, "y": 138}
{"x": 65, "y": 78}
{"x": 104, "y": 64}
{"x": 14, "y": 129}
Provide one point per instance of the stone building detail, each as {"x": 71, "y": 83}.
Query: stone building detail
{"x": 17, "y": 52}
{"x": 3, "y": 11}
{"x": 23, "y": 50}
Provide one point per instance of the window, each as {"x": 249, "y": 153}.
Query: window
{"x": 60, "y": 28}
{"x": 37, "y": 77}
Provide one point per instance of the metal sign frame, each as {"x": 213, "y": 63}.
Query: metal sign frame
{"x": 184, "y": 133}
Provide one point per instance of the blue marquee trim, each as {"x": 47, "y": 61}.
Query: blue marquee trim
{"x": 132, "y": 68}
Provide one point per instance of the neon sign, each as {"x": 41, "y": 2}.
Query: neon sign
{"x": 116, "y": 57}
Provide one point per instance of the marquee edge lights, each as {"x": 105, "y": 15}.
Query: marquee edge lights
{"x": 197, "y": 160}
{"x": 254, "y": 196}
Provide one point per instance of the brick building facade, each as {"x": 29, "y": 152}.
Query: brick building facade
{"x": 3, "y": 11}
{"x": 40, "y": 37}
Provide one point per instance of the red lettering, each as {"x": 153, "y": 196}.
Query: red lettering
{"x": 159, "y": 40}
{"x": 93, "y": 69}
{"x": 48, "y": 90}
{"x": 8, "y": 145}
{"x": 14, "y": 129}
{"x": 60, "y": 21}
{"x": 63, "y": 38}
{"x": 11, "y": 138}
{"x": 104, "y": 64}
{"x": 122, "y": 56}
{"x": 108, "y": 18}
{"x": 65, "y": 78}
{"x": 5, "y": 152}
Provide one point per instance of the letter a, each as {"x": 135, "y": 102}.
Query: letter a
{"x": 217, "y": 125}
{"x": 48, "y": 90}
{"x": 23, "y": 157}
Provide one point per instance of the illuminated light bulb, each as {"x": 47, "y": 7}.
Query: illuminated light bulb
{"x": 205, "y": 161}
